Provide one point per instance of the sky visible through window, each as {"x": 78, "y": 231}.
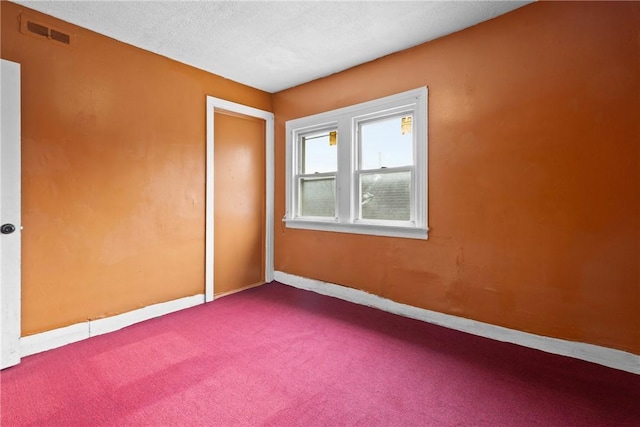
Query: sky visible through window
{"x": 383, "y": 145}
{"x": 319, "y": 156}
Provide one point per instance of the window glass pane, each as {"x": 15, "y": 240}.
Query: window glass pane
{"x": 386, "y": 142}
{"x": 318, "y": 197}
{"x": 386, "y": 196}
{"x": 319, "y": 153}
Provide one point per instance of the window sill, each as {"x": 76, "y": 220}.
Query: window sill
{"x": 370, "y": 229}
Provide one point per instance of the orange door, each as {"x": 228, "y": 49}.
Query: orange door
{"x": 239, "y": 202}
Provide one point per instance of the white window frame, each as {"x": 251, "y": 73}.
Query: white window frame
{"x": 298, "y": 175}
{"x": 346, "y": 120}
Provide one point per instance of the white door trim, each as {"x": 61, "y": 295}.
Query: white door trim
{"x": 212, "y": 104}
{"x": 10, "y": 191}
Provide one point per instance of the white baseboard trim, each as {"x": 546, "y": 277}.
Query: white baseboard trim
{"x": 612, "y": 358}
{"x": 55, "y": 338}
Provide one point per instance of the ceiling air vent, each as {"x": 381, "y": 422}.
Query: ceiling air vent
{"x": 60, "y": 37}
{"x": 44, "y": 31}
{"x": 38, "y": 29}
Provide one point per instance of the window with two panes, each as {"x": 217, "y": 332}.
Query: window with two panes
{"x": 384, "y": 168}
{"x": 318, "y": 167}
{"x": 361, "y": 169}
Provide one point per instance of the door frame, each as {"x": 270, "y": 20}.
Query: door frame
{"x": 10, "y": 212}
{"x": 214, "y": 103}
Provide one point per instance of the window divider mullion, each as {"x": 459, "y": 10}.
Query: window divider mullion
{"x": 344, "y": 188}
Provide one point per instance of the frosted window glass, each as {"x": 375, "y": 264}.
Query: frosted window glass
{"x": 318, "y": 197}
{"x": 386, "y": 196}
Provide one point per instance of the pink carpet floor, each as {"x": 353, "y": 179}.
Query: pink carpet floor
{"x": 279, "y": 356}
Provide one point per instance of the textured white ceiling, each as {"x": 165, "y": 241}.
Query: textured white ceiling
{"x": 274, "y": 45}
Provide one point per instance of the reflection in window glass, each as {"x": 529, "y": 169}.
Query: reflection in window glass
{"x": 318, "y": 197}
{"x": 386, "y": 196}
{"x": 319, "y": 153}
{"x": 386, "y": 143}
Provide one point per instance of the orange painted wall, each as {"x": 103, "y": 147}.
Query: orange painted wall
{"x": 113, "y": 141}
{"x": 534, "y": 184}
